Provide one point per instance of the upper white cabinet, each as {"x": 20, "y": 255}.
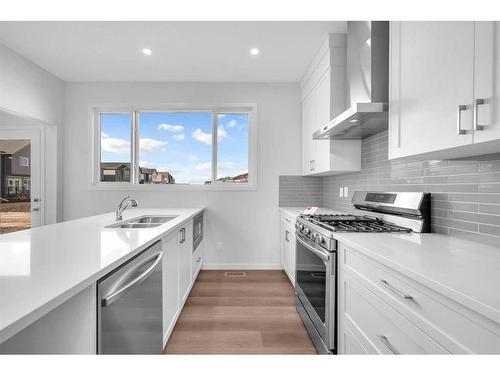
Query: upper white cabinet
{"x": 323, "y": 93}
{"x": 443, "y": 98}
{"x": 487, "y": 81}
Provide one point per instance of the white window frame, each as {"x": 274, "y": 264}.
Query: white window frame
{"x": 95, "y": 145}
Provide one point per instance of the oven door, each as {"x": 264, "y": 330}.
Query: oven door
{"x": 316, "y": 287}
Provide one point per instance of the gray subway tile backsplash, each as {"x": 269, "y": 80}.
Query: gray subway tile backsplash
{"x": 298, "y": 191}
{"x": 465, "y": 192}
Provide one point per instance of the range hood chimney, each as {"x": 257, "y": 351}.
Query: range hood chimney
{"x": 368, "y": 83}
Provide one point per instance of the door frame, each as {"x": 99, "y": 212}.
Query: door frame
{"x": 36, "y": 135}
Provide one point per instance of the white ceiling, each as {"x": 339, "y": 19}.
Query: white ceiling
{"x": 182, "y": 51}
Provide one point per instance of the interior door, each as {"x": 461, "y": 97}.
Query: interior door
{"x": 432, "y": 65}
{"x": 21, "y": 205}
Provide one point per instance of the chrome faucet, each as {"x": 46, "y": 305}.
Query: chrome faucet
{"x": 123, "y": 205}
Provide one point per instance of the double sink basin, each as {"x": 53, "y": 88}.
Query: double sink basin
{"x": 143, "y": 222}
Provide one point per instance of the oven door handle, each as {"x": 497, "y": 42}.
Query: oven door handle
{"x": 321, "y": 254}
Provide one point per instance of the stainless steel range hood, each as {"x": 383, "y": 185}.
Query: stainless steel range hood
{"x": 368, "y": 83}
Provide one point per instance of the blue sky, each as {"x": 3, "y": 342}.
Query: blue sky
{"x": 179, "y": 142}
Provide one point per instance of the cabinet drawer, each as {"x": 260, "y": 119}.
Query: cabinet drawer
{"x": 197, "y": 259}
{"x": 452, "y": 325}
{"x": 288, "y": 219}
{"x": 386, "y": 331}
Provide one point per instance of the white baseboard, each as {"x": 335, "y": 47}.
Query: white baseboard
{"x": 228, "y": 266}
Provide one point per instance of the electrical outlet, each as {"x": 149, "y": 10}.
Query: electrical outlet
{"x": 220, "y": 246}
{"x": 341, "y": 192}
{"x": 346, "y": 191}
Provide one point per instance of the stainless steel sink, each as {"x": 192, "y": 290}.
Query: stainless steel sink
{"x": 136, "y": 225}
{"x": 143, "y": 222}
{"x": 153, "y": 219}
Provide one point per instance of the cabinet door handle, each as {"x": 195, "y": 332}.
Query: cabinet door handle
{"x": 460, "y": 108}
{"x": 311, "y": 165}
{"x": 183, "y": 235}
{"x": 477, "y": 103}
{"x": 198, "y": 260}
{"x": 388, "y": 344}
{"x": 394, "y": 290}
{"x": 286, "y": 236}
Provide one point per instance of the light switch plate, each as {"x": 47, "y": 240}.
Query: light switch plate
{"x": 346, "y": 191}
{"x": 341, "y": 192}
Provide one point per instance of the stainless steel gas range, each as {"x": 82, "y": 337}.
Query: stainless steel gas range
{"x": 316, "y": 257}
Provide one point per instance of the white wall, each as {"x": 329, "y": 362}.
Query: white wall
{"x": 247, "y": 222}
{"x": 29, "y": 91}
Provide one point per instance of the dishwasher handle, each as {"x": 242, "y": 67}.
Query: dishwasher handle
{"x": 109, "y": 299}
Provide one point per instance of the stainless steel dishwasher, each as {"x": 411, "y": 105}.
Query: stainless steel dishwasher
{"x": 129, "y": 306}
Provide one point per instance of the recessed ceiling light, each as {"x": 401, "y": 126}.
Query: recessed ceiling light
{"x": 254, "y": 51}
{"x": 354, "y": 120}
{"x": 147, "y": 51}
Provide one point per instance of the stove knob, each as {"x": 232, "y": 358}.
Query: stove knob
{"x": 307, "y": 231}
{"x": 313, "y": 237}
{"x": 319, "y": 239}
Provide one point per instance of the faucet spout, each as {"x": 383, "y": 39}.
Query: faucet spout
{"x": 123, "y": 205}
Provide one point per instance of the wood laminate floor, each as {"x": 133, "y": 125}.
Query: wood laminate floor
{"x": 252, "y": 314}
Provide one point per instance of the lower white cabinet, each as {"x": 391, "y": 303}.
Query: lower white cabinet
{"x": 287, "y": 245}
{"x": 378, "y": 328}
{"x": 197, "y": 259}
{"x": 180, "y": 269}
{"x": 171, "y": 258}
{"x": 382, "y": 311}
{"x": 185, "y": 251}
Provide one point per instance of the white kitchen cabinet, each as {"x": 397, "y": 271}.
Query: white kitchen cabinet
{"x": 386, "y": 311}
{"x": 439, "y": 73}
{"x": 323, "y": 93}
{"x": 382, "y": 330}
{"x": 185, "y": 253}
{"x": 287, "y": 246}
{"x": 487, "y": 81}
{"x": 177, "y": 277}
{"x": 171, "y": 307}
{"x": 197, "y": 260}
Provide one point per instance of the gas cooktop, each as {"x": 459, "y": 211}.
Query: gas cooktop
{"x": 352, "y": 223}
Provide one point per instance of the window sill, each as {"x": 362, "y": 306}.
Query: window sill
{"x": 110, "y": 186}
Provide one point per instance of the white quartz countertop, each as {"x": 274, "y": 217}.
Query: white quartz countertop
{"x": 465, "y": 271}
{"x": 42, "y": 267}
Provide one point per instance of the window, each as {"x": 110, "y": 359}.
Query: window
{"x": 24, "y": 161}
{"x": 204, "y": 148}
{"x": 115, "y": 146}
{"x": 232, "y": 163}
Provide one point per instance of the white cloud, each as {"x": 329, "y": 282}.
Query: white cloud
{"x": 171, "y": 128}
{"x": 206, "y": 166}
{"x": 114, "y": 145}
{"x": 178, "y": 137}
{"x": 202, "y": 137}
{"x": 232, "y": 123}
{"x": 225, "y": 165}
{"x": 150, "y": 144}
{"x": 206, "y": 138}
{"x": 221, "y": 133}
